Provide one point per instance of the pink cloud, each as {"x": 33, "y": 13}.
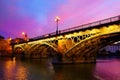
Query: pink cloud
{"x": 78, "y": 12}
{"x": 18, "y": 16}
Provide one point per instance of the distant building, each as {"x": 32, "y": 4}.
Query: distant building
{"x": 112, "y": 48}
{"x": 5, "y": 48}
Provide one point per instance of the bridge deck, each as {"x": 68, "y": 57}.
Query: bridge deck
{"x": 83, "y": 27}
{"x": 97, "y": 24}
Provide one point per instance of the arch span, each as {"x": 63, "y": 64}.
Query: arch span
{"x": 42, "y": 51}
{"x": 18, "y": 49}
{"x": 86, "y": 50}
{"x": 35, "y": 45}
{"x": 19, "y": 52}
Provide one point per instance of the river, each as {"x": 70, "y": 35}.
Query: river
{"x": 104, "y": 69}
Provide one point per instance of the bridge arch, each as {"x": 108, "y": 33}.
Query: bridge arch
{"x": 43, "y": 50}
{"x": 19, "y": 52}
{"x": 18, "y": 49}
{"x": 85, "y": 51}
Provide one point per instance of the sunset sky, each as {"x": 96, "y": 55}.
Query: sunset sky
{"x": 36, "y": 17}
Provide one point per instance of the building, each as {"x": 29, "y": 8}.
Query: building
{"x": 113, "y": 49}
{"x": 5, "y": 47}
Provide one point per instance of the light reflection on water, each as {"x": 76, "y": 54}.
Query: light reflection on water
{"x": 108, "y": 69}
{"x": 44, "y": 70}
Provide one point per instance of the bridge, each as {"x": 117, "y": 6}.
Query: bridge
{"x": 74, "y": 45}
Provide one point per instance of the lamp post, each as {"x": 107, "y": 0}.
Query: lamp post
{"x": 25, "y": 36}
{"x": 56, "y": 20}
{"x": 23, "y": 33}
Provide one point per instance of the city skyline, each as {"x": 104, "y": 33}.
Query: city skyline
{"x": 37, "y": 17}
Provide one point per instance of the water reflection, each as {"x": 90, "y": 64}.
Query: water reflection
{"x": 108, "y": 69}
{"x": 74, "y": 72}
{"x": 44, "y": 70}
{"x": 13, "y": 70}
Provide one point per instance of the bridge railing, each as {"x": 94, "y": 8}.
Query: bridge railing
{"x": 112, "y": 19}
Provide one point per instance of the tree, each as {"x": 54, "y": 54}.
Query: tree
{"x": 1, "y": 37}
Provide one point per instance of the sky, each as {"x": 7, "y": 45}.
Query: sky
{"x": 36, "y": 17}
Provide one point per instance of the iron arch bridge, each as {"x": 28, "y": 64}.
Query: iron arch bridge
{"x": 75, "y": 45}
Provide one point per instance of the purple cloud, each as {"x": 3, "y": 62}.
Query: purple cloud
{"x": 37, "y": 17}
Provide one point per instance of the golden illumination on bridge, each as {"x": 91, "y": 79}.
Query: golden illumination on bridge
{"x": 81, "y": 43}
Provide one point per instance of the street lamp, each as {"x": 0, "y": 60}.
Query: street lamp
{"x": 56, "y": 20}
{"x": 23, "y": 33}
{"x": 25, "y": 36}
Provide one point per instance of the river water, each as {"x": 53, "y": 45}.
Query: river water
{"x": 104, "y": 69}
